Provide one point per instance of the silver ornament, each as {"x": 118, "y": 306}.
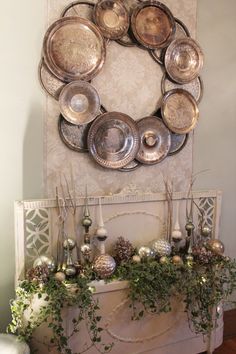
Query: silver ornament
{"x": 44, "y": 259}
{"x": 86, "y": 250}
{"x": 216, "y": 246}
{"x": 104, "y": 265}
{"x": 144, "y": 252}
{"x": 70, "y": 270}
{"x": 161, "y": 247}
{"x": 69, "y": 243}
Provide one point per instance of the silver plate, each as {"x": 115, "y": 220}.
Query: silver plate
{"x": 155, "y": 140}
{"x": 74, "y": 136}
{"x": 178, "y": 142}
{"x": 183, "y": 60}
{"x": 195, "y": 87}
{"x": 180, "y": 32}
{"x": 51, "y": 84}
{"x": 113, "y": 140}
{"x": 74, "y": 49}
{"x": 133, "y": 165}
{"x": 79, "y": 102}
{"x": 82, "y": 9}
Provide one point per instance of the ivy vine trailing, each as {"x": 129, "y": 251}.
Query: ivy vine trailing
{"x": 201, "y": 286}
{"x": 55, "y": 296}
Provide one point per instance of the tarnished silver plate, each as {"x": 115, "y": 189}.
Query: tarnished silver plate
{"x": 74, "y": 49}
{"x": 128, "y": 40}
{"x": 180, "y": 32}
{"x": 51, "y": 84}
{"x": 183, "y": 60}
{"x": 153, "y": 24}
{"x": 195, "y": 87}
{"x": 112, "y": 18}
{"x": 179, "y": 111}
{"x": 79, "y": 102}
{"x": 155, "y": 140}
{"x": 113, "y": 140}
{"x": 133, "y": 165}
{"x": 74, "y": 136}
{"x": 79, "y": 8}
{"x": 178, "y": 142}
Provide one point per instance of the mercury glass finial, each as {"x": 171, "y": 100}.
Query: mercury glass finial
{"x": 86, "y": 221}
{"x": 101, "y": 232}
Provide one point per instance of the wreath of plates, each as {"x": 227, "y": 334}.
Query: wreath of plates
{"x": 74, "y": 51}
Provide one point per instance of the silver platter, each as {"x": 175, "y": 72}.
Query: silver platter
{"x": 180, "y": 32}
{"x": 113, "y": 140}
{"x": 51, "y": 84}
{"x": 74, "y": 136}
{"x": 178, "y": 142}
{"x": 79, "y": 102}
{"x": 195, "y": 87}
{"x": 183, "y": 60}
{"x": 74, "y": 49}
{"x": 82, "y": 9}
{"x": 133, "y": 165}
{"x": 155, "y": 140}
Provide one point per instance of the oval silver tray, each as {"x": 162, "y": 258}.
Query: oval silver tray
{"x": 113, "y": 140}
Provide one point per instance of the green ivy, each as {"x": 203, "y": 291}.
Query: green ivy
{"x": 201, "y": 286}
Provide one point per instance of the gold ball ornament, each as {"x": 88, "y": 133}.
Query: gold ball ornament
{"x": 104, "y": 265}
{"x": 60, "y": 276}
{"x": 136, "y": 258}
{"x": 205, "y": 231}
{"x": 216, "y": 246}
{"x": 177, "y": 260}
{"x": 164, "y": 260}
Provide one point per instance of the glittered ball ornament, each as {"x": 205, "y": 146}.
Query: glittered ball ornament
{"x": 104, "y": 266}
{"x": 161, "y": 247}
{"x": 216, "y": 246}
{"x": 49, "y": 261}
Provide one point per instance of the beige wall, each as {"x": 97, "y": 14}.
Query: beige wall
{"x": 215, "y": 137}
{"x": 21, "y": 142}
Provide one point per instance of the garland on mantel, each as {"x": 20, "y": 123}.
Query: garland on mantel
{"x": 201, "y": 284}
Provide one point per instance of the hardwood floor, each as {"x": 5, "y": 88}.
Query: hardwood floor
{"x": 229, "y": 344}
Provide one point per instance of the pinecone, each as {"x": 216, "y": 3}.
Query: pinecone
{"x": 123, "y": 250}
{"x": 39, "y": 274}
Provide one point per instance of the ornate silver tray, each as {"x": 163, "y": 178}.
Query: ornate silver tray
{"x": 153, "y": 24}
{"x": 113, "y": 140}
{"x": 180, "y": 32}
{"x": 179, "y": 111}
{"x": 133, "y": 165}
{"x": 112, "y": 18}
{"x": 51, "y": 84}
{"x": 74, "y": 49}
{"x": 81, "y": 8}
{"x": 155, "y": 140}
{"x": 183, "y": 60}
{"x": 178, "y": 142}
{"x": 195, "y": 87}
{"x": 74, "y": 136}
{"x": 79, "y": 102}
